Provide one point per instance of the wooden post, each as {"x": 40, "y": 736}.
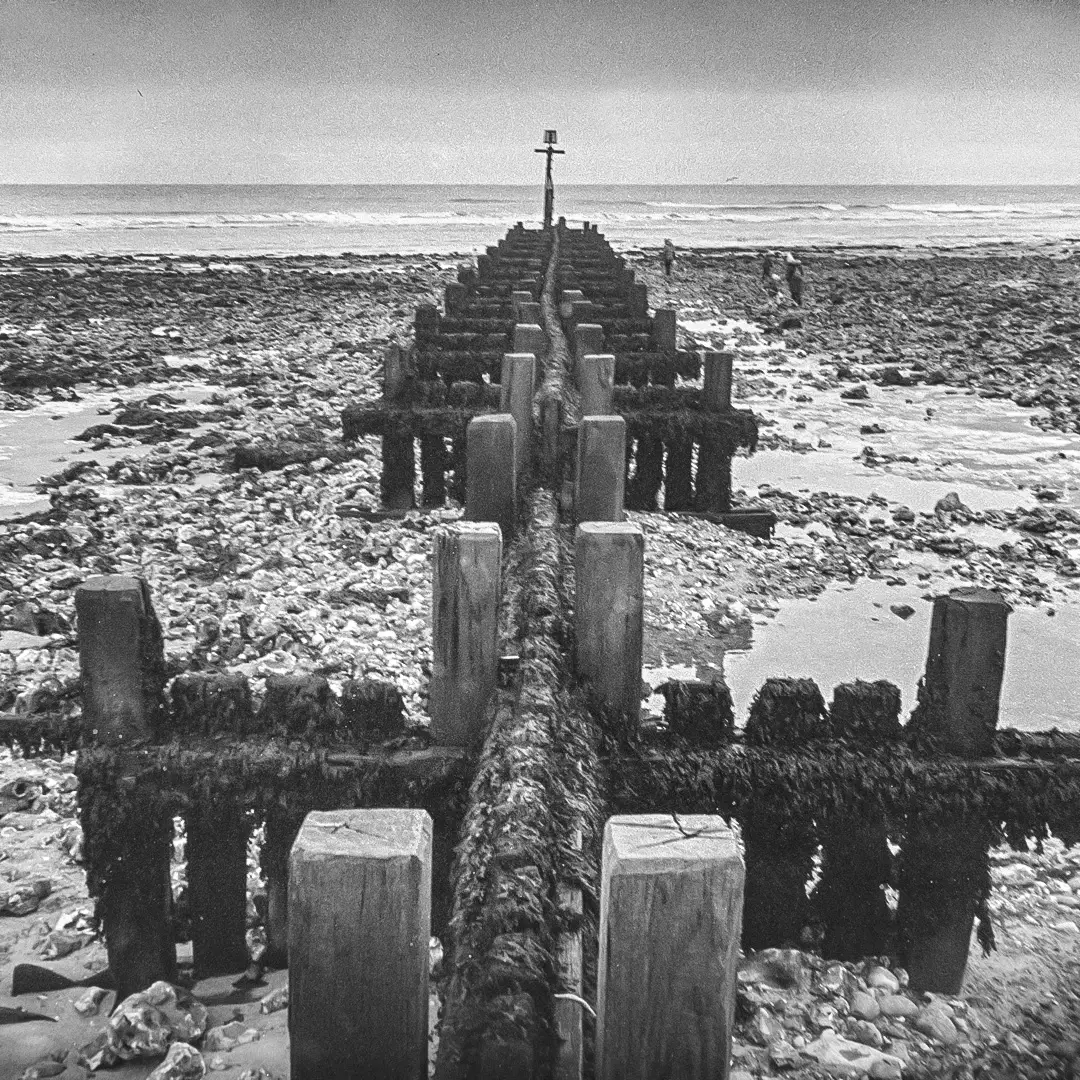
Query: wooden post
{"x": 517, "y": 384}
{"x": 601, "y": 469}
{"x": 491, "y": 483}
{"x": 529, "y": 313}
{"x": 465, "y": 610}
{"x": 517, "y": 298}
{"x": 944, "y": 864}
{"x": 582, "y": 311}
{"x": 216, "y": 706}
{"x": 122, "y": 660}
{"x": 609, "y": 562}
{"x": 588, "y": 338}
{"x": 643, "y": 490}
{"x": 718, "y": 375}
{"x": 713, "y": 480}
{"x": 639, "y": 299}
{"x": 678, "y": 486}
{"x": 596, "y": 380}
{"x": 529, "y": 337}
{"x": 360, "y": 893}
{"x": 427, "y": 321}
{"x": 393, "y": 371}
{"x": 457, "y": 294}
{"x": 567, "y": 299}
{"x": 433, "y": 464}
{"x": 671, "y": 898}
{"x": 664, "y": 329}
{"x": 397, "y": 481}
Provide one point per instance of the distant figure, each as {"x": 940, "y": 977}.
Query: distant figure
{"x": 669, "y": 257}
{"x": 770, "y": 279}
{"x": 794, "y": 270}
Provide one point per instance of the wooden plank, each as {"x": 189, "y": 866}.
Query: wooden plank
{"x": 518, "y": 382}
{"x": 670, "y": 918}
{"x": 609, "y": 563}
{"x": 491, "y": 473}
{"x": 465, "y": 607}
{"x": 360, "y": 893}
{"x": 599, "y": 482}
{"x": 596, "y": 381}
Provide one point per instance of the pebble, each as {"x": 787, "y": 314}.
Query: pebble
{"x": 862, "y": 1031}
{"x": 881, "y": 978}
{"x": 864, "y": 1006}
{"x": 898, "y": 1005}
{"x": 935, "y": 1022}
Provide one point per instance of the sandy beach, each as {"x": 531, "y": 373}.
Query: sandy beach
{"x": 179, "y": 418}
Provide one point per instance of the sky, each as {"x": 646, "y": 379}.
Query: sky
{"x": 459, "y": 91}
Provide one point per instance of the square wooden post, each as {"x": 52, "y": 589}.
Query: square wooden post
{"x": 601, "y": 469}
{"x": 596, "y": 381}
{"x": 588, "y": 338}
{"x": 944, "y": 864}
{"x": 465, "y": 616}
{"x": 359, "y": 932}
{"x": 609, "y": 565}
{"x": 712, "y": 488}
{"x": 530, "y": 338}
{"x": 491, "y": 474}
{"x": 671, "y": 897}
{"x": 517, "y": 384}
{"x": 121, "y": 656}
{"x": 664, "y": 329}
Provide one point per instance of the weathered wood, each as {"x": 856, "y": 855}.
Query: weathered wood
{"x": 433, "y": 465}
{"x": 596, "y": 381}
{"x": 517, "y": 298}
{"x": 427, "y": 320}
{"x": 212, "y": 705}
{"x": 965, "y": 666}
{"x": 491, "y": 484}
{"x": 518, "y": 383}
{"x": 678, "y": 488}
{"x": 671, "y": 899}
{"x": 588, "y": 338}
{"x": 643, "y": 490}
{"x": 456, "y": 295}
{"x": 609, "y": 563}
{"x": 601, "y": 469}
{"x": 360, "y": 892}
{"x": 393, "y": 371}
{"x": 663, "y": 329}
{"x": 639, "y": 299}
{"x": 530, "y": 338}
{"x": 569, "y": 1018}
{"x": 122, "y": 660}
{"x": 717, "y": 368}
{"x": 944, "y": 863}
{"x": 465, "y": 605}
{"x": 398, "y": 480}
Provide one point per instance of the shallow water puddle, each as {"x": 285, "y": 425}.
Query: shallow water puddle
{"x": 35, "y": 442}
{"x": 848, "y": 633}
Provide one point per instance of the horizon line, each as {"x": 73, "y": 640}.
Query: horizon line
{"x": 484, "y": 183}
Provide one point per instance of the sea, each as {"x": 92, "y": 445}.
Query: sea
{"x": 407, "y": 218}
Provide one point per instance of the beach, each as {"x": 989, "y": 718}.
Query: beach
{"x": 177, "y": 416}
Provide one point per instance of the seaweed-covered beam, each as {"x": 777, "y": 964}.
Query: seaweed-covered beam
{"x": 401, "y": 421}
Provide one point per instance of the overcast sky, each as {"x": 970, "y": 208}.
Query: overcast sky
{"x": 428, "y": 91}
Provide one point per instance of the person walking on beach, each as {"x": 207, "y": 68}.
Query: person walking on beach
{"x": 794, "y": 270}
{"x": 669, "y": 257}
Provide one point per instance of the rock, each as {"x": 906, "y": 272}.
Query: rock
{"x": 872, "y": 429}
{"x": 898, "y": 1005}
{"x": 145, "y": 1024}
{"x": 182, "y": 1062}
{"x": 862, "y": 1031}
{"x": 903, "y": 611}
{"x": 275, "y": 1000}
{"x": 765, "y": 1029}
{"x": 842, "y": 1057}
{"x": 881, "y": 978}
{"x": 949, "y": 504}
{"x": 936, "y": 1023}
{"x": 855, "y": 393}
{"x": 885, "y": 1070}
{"x": 904, "y": 513}
{"x": 864, "y": 1006}
{"x": 1016, "y": 875}
{"x": 784, "y": 1056}
{"x": 836, "y": 980}
{"x": 89, "y": 1003}
{"x": 782, "y": 969}
{"x": 45, "y": 1068}
{"x": 824, "y": 1016}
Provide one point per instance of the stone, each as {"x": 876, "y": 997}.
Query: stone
{"x": 885, "y": 1070}
{"x": 937, "y": 1024}
{"x": 836, "y": 980}
{"x": 862, "y": 1031}
{"x": 904, "y": 513}
{"x": 842, "y": 1057}
{"x": 784, "y": 1056}
{"x": 881, "y": 978}
{"x": 182, "y": 1062}
{"x": 903, "y": 611}
{"x": 824, "y": 1016}
{"x": 898, "y": 1005}
{"x": 864, "y": 1006}
{"x": 1017, "y": 875}
{"x": 856, "y": 393}
{"x": 765, "y": 1029}
{"x": 275, "y": 1000}
{"x": 90, "y": 1003}
{"x": 949, "y": 504}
